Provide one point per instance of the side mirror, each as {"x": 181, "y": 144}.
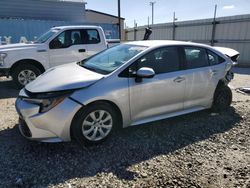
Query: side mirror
{"x": 55, "y": 44}
{"x": 145, "y": 72}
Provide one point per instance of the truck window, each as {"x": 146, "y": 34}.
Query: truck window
{"x": 93, "y": 36}
{"x": 75, "y": 37}
{"x": 66, "y": 39}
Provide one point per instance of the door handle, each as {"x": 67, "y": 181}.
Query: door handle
{"x": 82, "y": 50}
{"x": 179, "y": 79}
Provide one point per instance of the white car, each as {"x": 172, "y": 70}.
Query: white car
{"x": 129, "y": 84}
{"x": 60, "y": 45}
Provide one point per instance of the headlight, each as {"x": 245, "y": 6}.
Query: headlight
{"x": 46, "y": 104}
{"x": 2, "y": 57}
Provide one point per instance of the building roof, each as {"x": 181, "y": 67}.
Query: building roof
{"x": 90, "y": 10}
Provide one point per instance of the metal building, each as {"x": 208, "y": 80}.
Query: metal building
{"x": 231, "y": 31}
{"x": 30, "y": 18}
{"x": 93, "y": 16}
{"x": 43, "y": 10}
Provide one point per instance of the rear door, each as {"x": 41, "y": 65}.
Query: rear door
{"x": 164, "y": 93}
{"x": 199, "y": 78}
{"x": 95, "y": 41}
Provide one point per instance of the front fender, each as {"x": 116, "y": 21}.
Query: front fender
{"x": 109, "y": 89}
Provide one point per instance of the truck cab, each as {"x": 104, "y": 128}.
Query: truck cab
{"x": 60, "y": 45}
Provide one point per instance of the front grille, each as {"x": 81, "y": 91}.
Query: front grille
{"x": 24, "y": 128}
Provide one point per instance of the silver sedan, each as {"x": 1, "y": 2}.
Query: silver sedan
{"x": 129, "y": 84}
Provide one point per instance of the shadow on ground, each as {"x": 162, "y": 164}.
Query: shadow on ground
{"x": 238, "y": 70}
{"x": 8, "y": 89}
{"x": 51, "y": 164}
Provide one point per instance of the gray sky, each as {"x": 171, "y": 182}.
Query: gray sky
{"x": 139, "y": 10}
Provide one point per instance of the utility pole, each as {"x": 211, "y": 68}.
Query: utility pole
{"x": 135, "y": 29}
{"x": 119, "y": 19}
{"x": 214, "y": 26}
{"x": 152, "y": 3}
{"x": 174, "y": 26}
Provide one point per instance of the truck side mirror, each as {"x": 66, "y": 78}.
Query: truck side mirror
{"x": 55, "y": 44}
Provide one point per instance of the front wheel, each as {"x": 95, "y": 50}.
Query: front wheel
{"x": 94, "y": 123}
{"x": 22, "y": 75}
{"x": 222, "y": 99}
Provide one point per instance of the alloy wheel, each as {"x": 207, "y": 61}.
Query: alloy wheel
{"x": 97, "y": 125}
{"x": 26, "y": 76}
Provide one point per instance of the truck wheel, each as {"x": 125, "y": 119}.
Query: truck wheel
{"x": 94, "y": 123}
{"x": 222, "y": 99}
{"x": 24, "y": 74}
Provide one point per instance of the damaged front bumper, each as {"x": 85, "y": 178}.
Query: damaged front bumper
{"x": 51, "y": 126}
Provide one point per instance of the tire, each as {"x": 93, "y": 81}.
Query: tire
{"x": 222, "y": 99}
{"x": 23, "y": 74}
{"x": 88, "y": 123}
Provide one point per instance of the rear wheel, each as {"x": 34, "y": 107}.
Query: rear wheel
{"x": 94, "y": 123}
{"x": 24, "y": 74}
{"x": 222, "y": 99}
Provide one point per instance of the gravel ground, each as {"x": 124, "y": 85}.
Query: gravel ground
{"x": 202, "y": 149}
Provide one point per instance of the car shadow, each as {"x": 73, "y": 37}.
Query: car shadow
{"x": 41, "y": 164}
{"x": 238, "y": 70}
{"x": 8, "y": 89}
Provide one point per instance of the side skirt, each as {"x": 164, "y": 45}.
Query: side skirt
{"x": 165, "y": 116}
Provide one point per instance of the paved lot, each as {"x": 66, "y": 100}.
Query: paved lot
{"x": 196, "y": 150}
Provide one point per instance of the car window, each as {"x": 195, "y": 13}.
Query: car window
{"x": 213, "y": 58}
{"x": 109, "y": 60}
{"x": 162, "y": 60}
{"x": 195, "y": 57}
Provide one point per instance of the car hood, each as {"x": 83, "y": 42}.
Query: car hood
{"x": 18, "y": 46}
{"x": 61, "y": 78}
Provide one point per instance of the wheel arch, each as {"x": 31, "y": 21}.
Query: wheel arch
{"x": 117, "y": 109}
{"x": 221, "y": 83}
{"x": 29, "y": 62}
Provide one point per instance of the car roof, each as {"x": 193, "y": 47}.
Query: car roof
{"x": 77, "y": 27}
{"x": 158, "y": 43}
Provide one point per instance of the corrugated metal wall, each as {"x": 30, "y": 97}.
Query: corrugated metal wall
{"x": 42, "y": 9}
{"x": 34, "y": 28}
{"x": 232, "y": 31}
{"x": 31, "y": 18}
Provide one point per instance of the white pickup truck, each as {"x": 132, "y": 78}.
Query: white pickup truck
{"x": 60, "y": 45}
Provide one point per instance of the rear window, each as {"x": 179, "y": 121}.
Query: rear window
{"x": 196, "y": 57}
{"x": 213, "y": 58}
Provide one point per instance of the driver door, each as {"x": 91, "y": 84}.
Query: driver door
{"x": 67, "y": 47}
{"x": 164, "y": 93}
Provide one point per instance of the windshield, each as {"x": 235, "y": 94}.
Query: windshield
{"x": 44, "y": 37}
{"x": 112, "y": 58}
